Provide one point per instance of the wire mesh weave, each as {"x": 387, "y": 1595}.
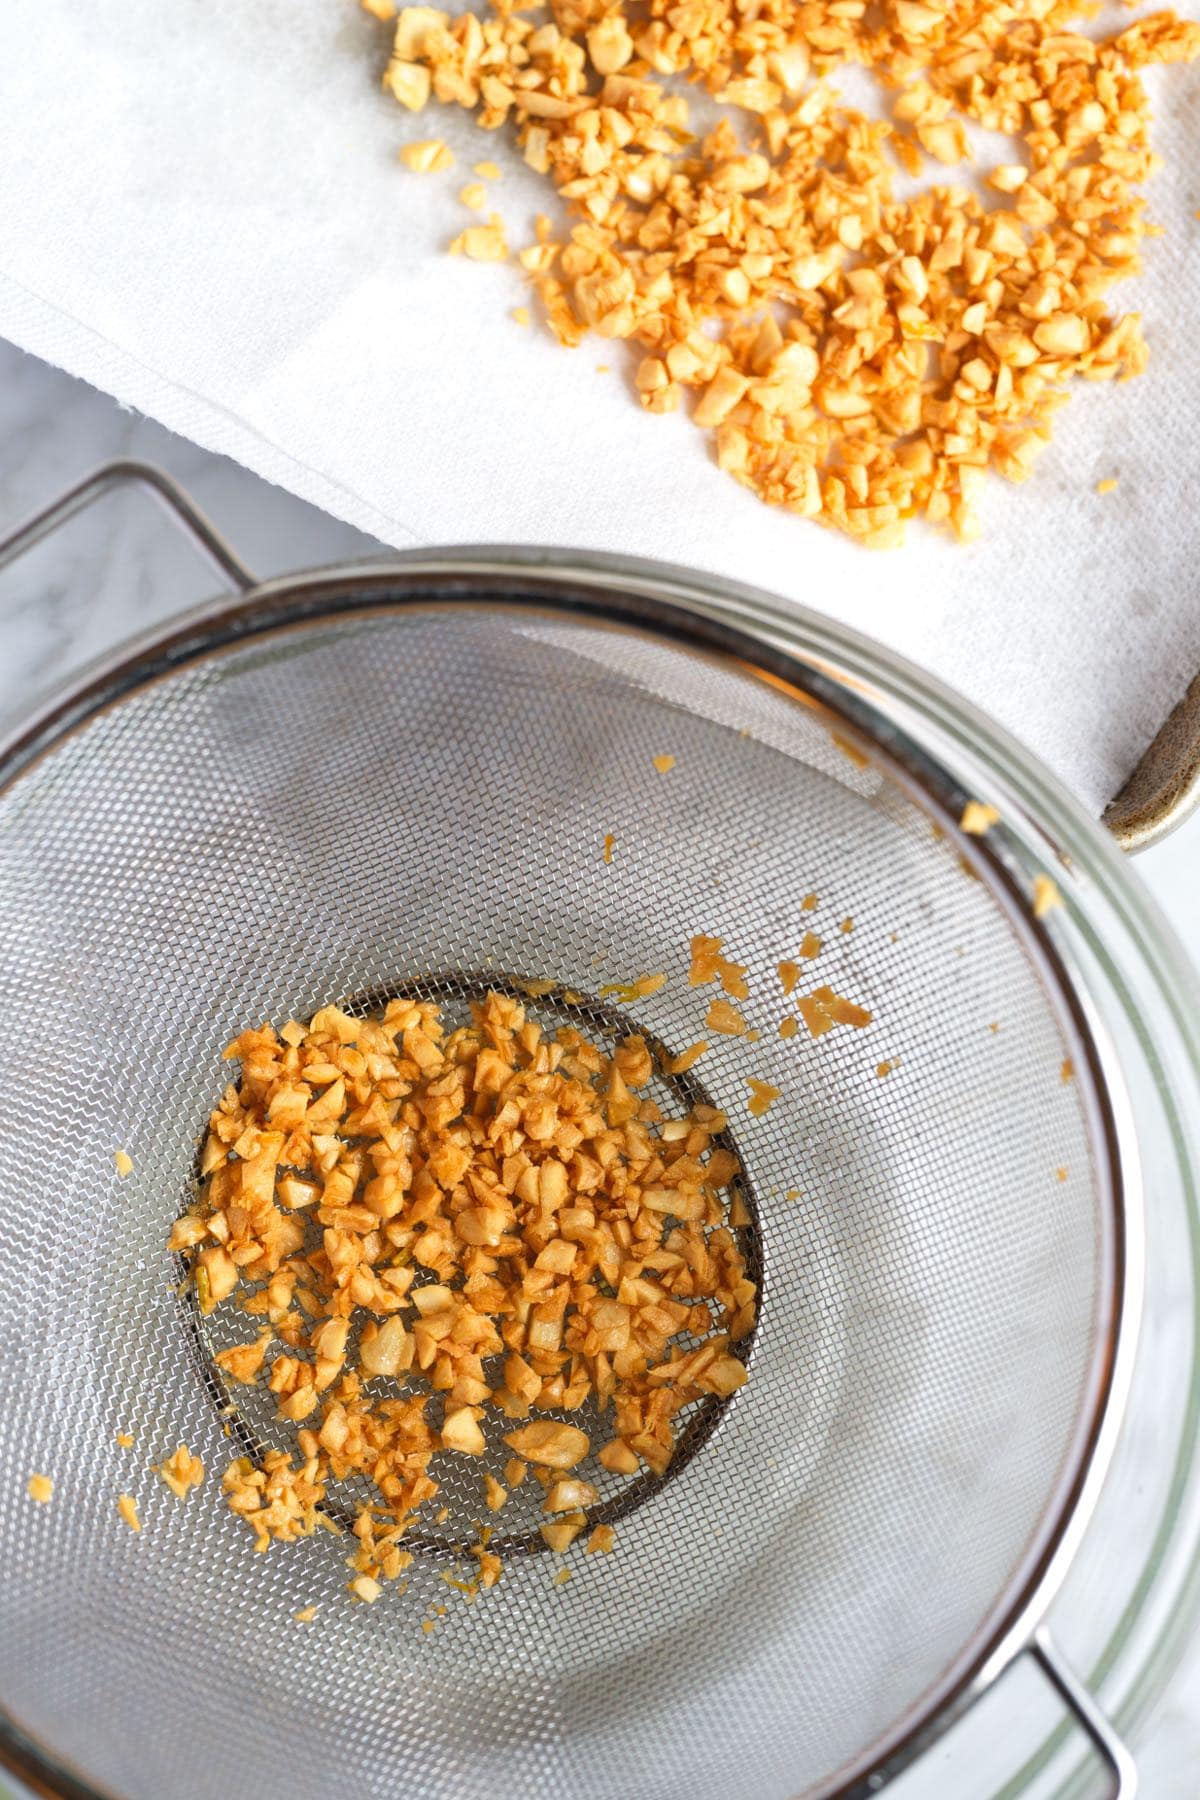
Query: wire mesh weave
{"x": 363, "y": 802}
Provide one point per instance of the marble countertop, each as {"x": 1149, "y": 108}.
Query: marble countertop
{"x": 122, "y": 568}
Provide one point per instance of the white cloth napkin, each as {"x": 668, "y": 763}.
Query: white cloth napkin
{"x": 202, "y": 212}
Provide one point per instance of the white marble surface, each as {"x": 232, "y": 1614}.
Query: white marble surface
{"x": 122, "y": 568}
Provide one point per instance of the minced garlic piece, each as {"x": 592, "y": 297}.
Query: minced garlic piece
{"x": 127, "y": 1507}
{"x": 125, "y": 1439}
{"x": 640, "y": 988}
{"x": 182, "y": 1472}
{"x": 763, "y": 1096}
{"x": 124, "y": 1163}
{"x": 482, "y": 243}
{"x": 40, "y": 1488}
{"x": 725, "y": 1018}
{"x": 474, "y": 195}
{"x": 978, "y": 818}
{"x": 708, "y": 964}
{"x": 1108, "y": 485}
{"x": 609, "y": 841}
{"x": 1045, "y": 895}
{"x": 428, "y": 156}
{"x": 664, "y": 764}
{"x": 823, "y": 1009}
{"x": 488, "y": 171}
{"x": 305, "y": 1616}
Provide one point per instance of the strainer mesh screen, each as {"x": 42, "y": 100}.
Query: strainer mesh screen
{"x": 372, "y": 800}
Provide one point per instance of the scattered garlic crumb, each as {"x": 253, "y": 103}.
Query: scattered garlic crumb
{"x": 763, "y": 1095}
{"x": 603, "y": 368}
{"x": 1060, "y": 1174}
{"x": 380, "y": 9}
{"x": 709, "y": 964}
{"x": 515, "y": 1471}
{"x": 124, "y": 1163}
{"x": 1107, "y": 486}
{"x": 1045, "y": 895}
{"x": 789, "y": 975}
{"x": 846, "y": 926}
{"x": 640, "y": 988}
{"x": 789, "y": 1025}
{"x": 125, "y": 1439}
{"x": 428, "y": 1625}
{"x": 793, "y": 1194}
{"x": 600, "y": 1542}
{"x": 520, "y": 314}
{"x": 306, "y": 1615}
{"x": 365, "y": 1588}
{"x": 809, "y": 903}
{"x": 488, "y": 171}
{"x": 474, "y": 195}
{"x": 884, "y": 1069}
{"x": 609, "y": 841}
{"x": 562, "y": 1576}
{"x": 724, "y": 1018}
{"x": 127, "y": 1507}
{"x": 494, "y": 1493}
{"x": 482, "y": 243}
{"x": 823, "y": 1009}
{"x": 664, "y": 764}
{"x": 1067, "y": 1070}
{"x": 40, "y": 1488}
{"x": 680, "y": 1064}
{"x": 182, "y": 1472}
{"x": 978, "y": 818}
{"x": 429, "y": 156}
{"x": 810, "y": 945}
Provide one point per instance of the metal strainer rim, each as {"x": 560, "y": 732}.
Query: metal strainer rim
{"x": 677, "y": 606}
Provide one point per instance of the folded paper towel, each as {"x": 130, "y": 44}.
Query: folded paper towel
{"x": 204, "y": 215}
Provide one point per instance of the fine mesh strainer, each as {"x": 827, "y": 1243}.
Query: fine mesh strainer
{"x": 398, "y": 780}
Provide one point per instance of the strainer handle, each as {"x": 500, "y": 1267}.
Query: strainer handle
{"x": 1164, "y": 788}
{"x": 122, "y": 471}
{"x": 1116, "y": 1754}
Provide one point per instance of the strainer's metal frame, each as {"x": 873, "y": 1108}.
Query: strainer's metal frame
{"x": 744, "y": 625}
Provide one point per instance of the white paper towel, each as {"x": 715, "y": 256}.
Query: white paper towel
{"x": 203, "y": 213}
